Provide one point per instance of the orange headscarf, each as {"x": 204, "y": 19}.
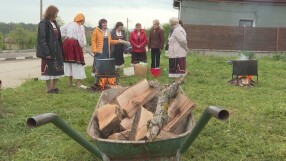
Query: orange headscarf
{"x": 79, "y": 17}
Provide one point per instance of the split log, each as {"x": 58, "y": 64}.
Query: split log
{"x": 109, "y": 117}
{"x": 127, "y": 122}
{"x": 139, "y": 126}
{"x": 135, "y": 97}
{"x": 161, "y": 114}
{"x": 124, "y": 135}
{"x": 179, "y": 109}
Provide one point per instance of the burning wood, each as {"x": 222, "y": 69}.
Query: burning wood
{"x": 103, "y": 84}
{"x": 129, "y": 116}
{"x": 246, "y": 80}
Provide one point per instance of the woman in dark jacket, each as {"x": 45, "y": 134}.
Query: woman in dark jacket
{"x": 49, "y": 48}
{"x": 156, "y": 44}
{"x": 118, "y": 49}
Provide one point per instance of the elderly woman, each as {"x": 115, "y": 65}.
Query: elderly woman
{"x": 177, "y": 49}
{"x": 75, "y": 40}
{"x": 156, "y": 44}
{"x": 138, "y": 41}
{"x": 49, "y": 48}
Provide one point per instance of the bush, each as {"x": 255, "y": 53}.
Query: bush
{"x": 279, "y": 56}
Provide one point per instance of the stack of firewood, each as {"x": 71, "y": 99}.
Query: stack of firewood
{"x": 144, "y": 111}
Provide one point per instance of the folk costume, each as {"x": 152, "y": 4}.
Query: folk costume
{"x": 100, "y": 44}
{"x": 118, "y": 49}
{"x": 177, "y": 52}
{"x": 75, "y": 40}
{"x": 49, "y": 44}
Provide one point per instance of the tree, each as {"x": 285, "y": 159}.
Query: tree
{"x": 166, "y": 27}
{"x": 23, "y": 38}
{"x": 2, "y": 44}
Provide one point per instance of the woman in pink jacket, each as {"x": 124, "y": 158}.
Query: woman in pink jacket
{"x": 177, "y": 49}
{"x": 138, "y": 41}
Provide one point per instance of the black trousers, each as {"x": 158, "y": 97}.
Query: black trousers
{"x": 155, "y": 57}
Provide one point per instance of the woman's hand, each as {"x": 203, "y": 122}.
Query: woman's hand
{"x": 48, "y": 57}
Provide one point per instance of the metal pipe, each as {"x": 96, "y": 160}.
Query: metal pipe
{"x": 46, "y": 118}
{"x": 218, "y": 113}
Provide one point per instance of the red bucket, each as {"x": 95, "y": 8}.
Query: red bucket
{"x": 155, "y": 72}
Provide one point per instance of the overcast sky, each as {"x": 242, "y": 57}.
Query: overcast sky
{"x": 143, "y": 11}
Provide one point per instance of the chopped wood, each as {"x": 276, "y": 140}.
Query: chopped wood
{"x": 151, "y": 105}
{"x": 135, "y": 97}
{"x": 179, "y": 109}
{"x": 109, "y": 117}
{"x": 161, "y": 114}
{"x": 127, "y": 122}
{"x": 165, "y": 134}
{"x": 139, "y": 126}
{"x": 124, "y": 135}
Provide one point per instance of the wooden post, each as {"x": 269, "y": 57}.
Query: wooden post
{"x": 277, "y": 39}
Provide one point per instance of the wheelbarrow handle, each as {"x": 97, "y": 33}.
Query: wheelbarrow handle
{"x": 46, "y": 118}
{"x": 210, "y": 111}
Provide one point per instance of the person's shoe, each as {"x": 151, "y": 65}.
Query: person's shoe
{"x": 82, "y": 87}
{"x": 55, "y": 90}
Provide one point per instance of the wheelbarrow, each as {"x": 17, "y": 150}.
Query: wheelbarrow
{"x": 169, "y": 149}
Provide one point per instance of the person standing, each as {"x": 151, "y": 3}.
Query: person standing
{"x": 101, "y": 41}
{"x": 156, "y": 44}
{"x": 75, "y": 40}
{"x": 118, "y": 49}
{"x": 177, "y": 49}
{"x": 138, "y": 41}
{"x": 49, "y": 48}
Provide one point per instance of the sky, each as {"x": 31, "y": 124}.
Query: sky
{"x": 142, "y": 11}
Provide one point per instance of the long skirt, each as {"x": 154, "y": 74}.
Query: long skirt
{"x": 138, "y": 57}
{"x": 51, "y": 69}
{"x": 177, "y": 67}
{"x": 72, "y": 52}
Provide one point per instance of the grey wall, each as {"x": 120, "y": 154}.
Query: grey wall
{"x": 229, "y": 14}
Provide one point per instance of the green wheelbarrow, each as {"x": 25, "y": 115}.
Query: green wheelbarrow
{"x": 169, "y": 149}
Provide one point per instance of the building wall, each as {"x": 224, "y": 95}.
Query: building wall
{"x": 229, "y": 14}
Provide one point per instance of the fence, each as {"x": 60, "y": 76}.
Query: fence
{"x": 236, "y": 38}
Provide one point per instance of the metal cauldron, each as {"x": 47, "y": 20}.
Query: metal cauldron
{"x": 105, "y": 66}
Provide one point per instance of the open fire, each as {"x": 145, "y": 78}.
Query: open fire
{"x": 246, "y": 80}
{"x": 243, "y": 71}
{"x": 103, "y": 84}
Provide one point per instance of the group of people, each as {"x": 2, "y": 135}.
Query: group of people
{"x": 61, "y": 48}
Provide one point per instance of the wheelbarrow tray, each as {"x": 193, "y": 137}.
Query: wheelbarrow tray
{"x": 163, "y": 149}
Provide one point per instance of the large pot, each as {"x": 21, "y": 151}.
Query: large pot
{"x": 105, "y": 66}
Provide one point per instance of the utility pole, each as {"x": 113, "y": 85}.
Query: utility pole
{"x": 127, "y": 30}
{"x": 41, "y": 9}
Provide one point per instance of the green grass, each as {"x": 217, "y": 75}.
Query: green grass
{"x": 254, "y": 131}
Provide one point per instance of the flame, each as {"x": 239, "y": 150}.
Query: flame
{"x": 249, "y": 77}
{"x": 104, "y": 82}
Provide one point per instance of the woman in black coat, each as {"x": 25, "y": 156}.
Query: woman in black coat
{"x": 49, "y": 48}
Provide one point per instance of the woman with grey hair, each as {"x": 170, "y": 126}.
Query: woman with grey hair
{"x": 177, "y": 49}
